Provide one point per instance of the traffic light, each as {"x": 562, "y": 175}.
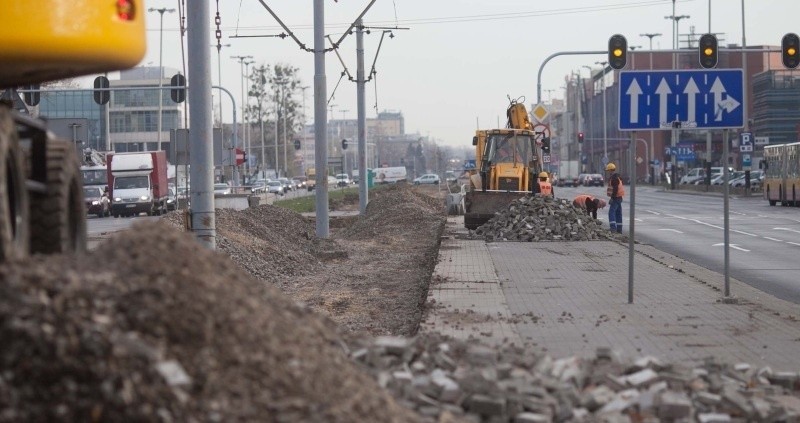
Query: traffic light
{"x": 790, "y": 50}
{"x": 708, "y": 49}
{"x": 296, "y": 144}
{"x": 178, "y": 91}
{"x": 580, "y": 137}
{"x": 101, "y": 97}
{"x": 344, "y": 144}
{"x": 546, "y": 145}
{"x": 245, "y": 156}
{"x": 617, "y": 51}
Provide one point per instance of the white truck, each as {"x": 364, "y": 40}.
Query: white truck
{"x": 138, "y": 183}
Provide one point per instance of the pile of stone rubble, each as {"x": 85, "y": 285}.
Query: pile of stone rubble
{"x": 449, "y": 380}
{"x": 534, "y": 218}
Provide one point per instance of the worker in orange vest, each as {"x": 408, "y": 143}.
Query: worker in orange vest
{"x": 543, "y": 187}
{"x": 589, "y": 204}
{"x": 615, "y": 192}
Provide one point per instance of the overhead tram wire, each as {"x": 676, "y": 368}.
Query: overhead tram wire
{"x": 484, "y": 17}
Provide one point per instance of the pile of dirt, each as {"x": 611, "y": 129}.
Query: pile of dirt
{"x": 154, "y": 327}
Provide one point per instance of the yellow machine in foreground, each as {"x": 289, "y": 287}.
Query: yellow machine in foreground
{"x": 507, "y": 162}
{"x": 41, "y": 196}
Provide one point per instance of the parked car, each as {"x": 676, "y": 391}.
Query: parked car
{"x": 450, "y": 177}
{"x": 593, "y": 180}
{"x": 568, "y": 181}
{"x": 222, "y": 189}
{"x": 275, "y": 187}
{"x": 755, "y": 175}
{"x": 97, "y": 202}
{"x": 695, "y": 174}
{"x": 428, "y": 178}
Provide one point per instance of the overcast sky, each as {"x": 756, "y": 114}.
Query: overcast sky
{"x": 459, "y": 60}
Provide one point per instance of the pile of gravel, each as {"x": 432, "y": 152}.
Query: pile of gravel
{"x": 443, "y": 379}
{"x": 535, "y": 218}
{"x": 154, "y": 327}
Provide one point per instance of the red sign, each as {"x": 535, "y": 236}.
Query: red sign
{"x": 239, "y": 156}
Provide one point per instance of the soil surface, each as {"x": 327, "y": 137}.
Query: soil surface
{"x": 151, "y": 326}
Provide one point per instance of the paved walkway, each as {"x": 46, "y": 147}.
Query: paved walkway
{"x": 570, "y": 298}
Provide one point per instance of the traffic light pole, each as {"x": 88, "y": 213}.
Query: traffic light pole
{"x": 232, "y": 151}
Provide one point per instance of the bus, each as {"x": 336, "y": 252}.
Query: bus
{"x": 782, "y": 174}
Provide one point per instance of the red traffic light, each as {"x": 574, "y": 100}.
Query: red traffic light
{"x": 580, "y": 137}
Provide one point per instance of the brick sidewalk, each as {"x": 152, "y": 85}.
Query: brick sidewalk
{"x": 570, "y": 298}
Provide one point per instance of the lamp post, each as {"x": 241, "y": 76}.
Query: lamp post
{"x": 161, "y": 12}
{"x": 652, "y": 147}
{"x": 675, "y": 33}
{"x": 242, "y": 60}
{"x": 605, "y": 126}
{"x": 219, "y": 76}
{"x": 591, "y": 122}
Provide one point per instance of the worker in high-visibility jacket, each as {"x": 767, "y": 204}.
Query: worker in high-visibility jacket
{"x": 589, "y": 204}
{"x": 615, "y": 192}
{"x": 543, "y": 187}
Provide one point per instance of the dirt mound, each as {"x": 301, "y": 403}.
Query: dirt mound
{"x": 153, "y": 327}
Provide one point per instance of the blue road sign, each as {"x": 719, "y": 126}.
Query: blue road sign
{"x": 470, "y": 164}
{"x": 682, "y": 153}
{"x": 700, "y": 99}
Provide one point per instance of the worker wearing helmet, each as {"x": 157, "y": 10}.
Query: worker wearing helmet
{"x": 589, "y": 203}
{"x": 615, "y": 192}
{"x": 543, "y": 187}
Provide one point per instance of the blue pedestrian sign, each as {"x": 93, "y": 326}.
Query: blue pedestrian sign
{"x": 698, "y": 99}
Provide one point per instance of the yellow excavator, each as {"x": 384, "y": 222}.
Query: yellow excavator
{"x": 41, "y": 193}
{"x": 507, "y": 162}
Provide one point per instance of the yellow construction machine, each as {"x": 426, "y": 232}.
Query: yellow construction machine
{"x": 507, "y": 162}
{"x": 41, "y": 193}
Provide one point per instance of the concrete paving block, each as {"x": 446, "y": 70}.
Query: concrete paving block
{"x": 642, "y": 378}
{"x": 788, "y": 380}
{"x": 486, "y": 406}
{"x": 732, "y": 398}
{"x": 713, "y": 418}
{"x": 531, "y": 418}
{"x": 674, "y": 405}
{"x": 481, "y": 355}
{"x": 708, "y": 398}
{"x": 621, "y": 402}
{"x": 393, "y": 344}
{"x": 597, "y": 397}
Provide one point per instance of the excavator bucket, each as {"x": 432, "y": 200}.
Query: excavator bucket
{"x": 480, "y": 206}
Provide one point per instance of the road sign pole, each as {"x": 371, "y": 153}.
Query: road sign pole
{"x": 726, "y": 192}
{"x": 674, "y": 157}
{"x": 632, "y": 163}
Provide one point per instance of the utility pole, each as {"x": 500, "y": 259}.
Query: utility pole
{"x": 161, "y": 12}
{"x": 320, "y": 121}
{"x": 605, "y": 123}
{"x": 241, "y": 60}
{"x": 652, "y": 145}
{"x": 362, "y": 121}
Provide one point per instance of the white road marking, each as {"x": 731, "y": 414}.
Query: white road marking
{"x": 773, "y": 239}
{"x": 743, "y": 233}
{"x": 733, "y": 246}
{"x": 671, "y": 230}
{"x": 740, "y": 214}
{"x": 793, "y": 243}
{"x": 787, "y": 229}
{"x": 637, "y": 220}
{"x": 653, "y": 212}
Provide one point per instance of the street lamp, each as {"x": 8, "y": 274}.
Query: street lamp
{"x": 219, "y": 76}
{"x": 605, "y": 129}
{"x": 160, "y": 68}
{"x": 675, "y": 33}
{"x": 242, "y": 59}
{"x": 591, "y": 120}
{"x": 652, "y": 149}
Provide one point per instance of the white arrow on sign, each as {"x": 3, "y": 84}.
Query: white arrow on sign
{"x": 634, "y": 91}
{"x": 691, "y": 91}
{"x": 729, "y": 104}
{"x": 663, "y": 91}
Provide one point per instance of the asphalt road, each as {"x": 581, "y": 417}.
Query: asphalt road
{"x": 764, "y": 240}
